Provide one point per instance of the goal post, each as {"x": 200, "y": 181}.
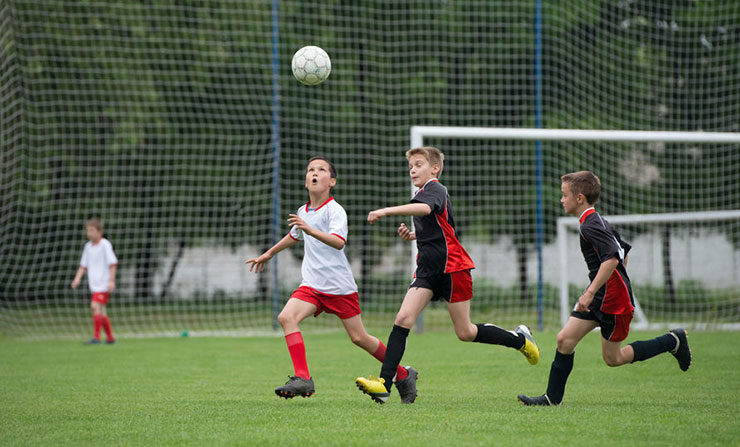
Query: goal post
{"x": 641, "y": 320}
{"x": 421, "y": 135}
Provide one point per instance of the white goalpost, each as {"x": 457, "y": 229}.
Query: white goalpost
{"x": 641, "y": 320}
{"x": 555, "y": 260}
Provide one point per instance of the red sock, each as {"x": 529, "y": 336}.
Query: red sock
{"x": 297, "y": 350}
{"x": 379, "y": 354}
{"x": 108, "y": 328}
{"x": 97, "y": 322}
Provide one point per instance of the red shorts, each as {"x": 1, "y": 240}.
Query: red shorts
{"x": 452, "y": 287}
{"x": 101, "y": 297}
{"x": 343, "y": 306}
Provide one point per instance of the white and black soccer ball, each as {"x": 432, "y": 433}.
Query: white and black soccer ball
{"x": 311, "y": 65}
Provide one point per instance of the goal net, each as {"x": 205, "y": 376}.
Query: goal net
{"x": 181, "y": 126}
{"x": 684, "y": 265}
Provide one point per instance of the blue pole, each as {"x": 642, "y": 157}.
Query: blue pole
{"x": 275, "y": 160}
{"x": 538, "y": 119}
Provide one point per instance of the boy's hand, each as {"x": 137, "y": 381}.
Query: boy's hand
{"x": 584, "y": 301}
{"x": 375, "y": 216}
{"x": 75, "y": 283}
{"x": 405, "y": 233}
{"x": 295, "y": 221}
{"x": 257, "y": 264}
{"x": 111, "y": 286}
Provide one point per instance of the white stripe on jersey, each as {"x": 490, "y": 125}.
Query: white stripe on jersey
{"x": 325, "y": 268}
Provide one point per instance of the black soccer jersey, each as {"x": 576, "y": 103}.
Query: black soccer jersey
{"x": 440, "y": 250}
{"x": 599, "y": 243}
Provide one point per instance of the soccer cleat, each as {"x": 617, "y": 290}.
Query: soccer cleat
{"x": 682, "y": 351}
{"x": 536, "y": 401}
{"x": 530, "y": 350}
{"x": 92, "y": 341}
{"x": 110, "y": 342}
{"x": 407, "y": 387}
{"x": 375, "y": 388}
{"x": 296, "y": 386}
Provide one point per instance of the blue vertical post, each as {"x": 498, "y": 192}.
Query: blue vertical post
{"x": 538, "y": 119}
{"x": 275, "y": 160}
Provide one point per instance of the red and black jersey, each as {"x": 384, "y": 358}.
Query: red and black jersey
{"x": 599, "y": 243}
{"x": 440, "y": 250}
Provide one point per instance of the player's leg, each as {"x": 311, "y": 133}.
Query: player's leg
{"x": 413, "y": 303}
{"x": 459, "y": 292}
{"x": 97, "y": 317}
{"x": 301, "y": 384}
{"x": 105, "y": 321}
{"x": 359, "y": 336}
{"x": 405, "y": 377}
{"x": 676, "y": 342}
{"x": 568, "y": 337}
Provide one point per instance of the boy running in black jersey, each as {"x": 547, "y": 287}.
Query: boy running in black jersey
{"x": 607, "y": 302}
{"x": 442, "y": 273}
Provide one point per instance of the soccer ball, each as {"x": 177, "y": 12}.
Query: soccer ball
{"x": 311, "y": 65}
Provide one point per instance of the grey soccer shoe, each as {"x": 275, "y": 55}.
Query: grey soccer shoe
{"x": 536, "y": 401}
{"x": 407, "y": 387}
{"x": 296, "y": 386}
{"x": 682, "y": 351}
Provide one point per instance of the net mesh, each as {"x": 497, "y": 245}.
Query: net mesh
{"x": 158, "y": 117}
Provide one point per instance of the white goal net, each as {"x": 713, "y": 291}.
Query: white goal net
{"x": 181, "y": 125}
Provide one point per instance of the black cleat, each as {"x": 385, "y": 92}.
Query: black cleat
{"x": 536, "y": 401}
{"x": 296, "y": 386}
{"x": 682, "y": 351}
{"x": 407, "y": 387}
{"x": 92, "y": 341}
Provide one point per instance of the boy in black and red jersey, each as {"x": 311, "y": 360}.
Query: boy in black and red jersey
{"x": 607, "y": 302}
{"x": 442, "y": 273}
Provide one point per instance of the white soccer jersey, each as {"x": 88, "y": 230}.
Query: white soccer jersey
{"x": 97, "y": 259}
{"x": 325, "y": 268}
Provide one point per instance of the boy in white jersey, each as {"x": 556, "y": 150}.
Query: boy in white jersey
{"x": 100, "y": 263}
{"x": 327, "y": 285}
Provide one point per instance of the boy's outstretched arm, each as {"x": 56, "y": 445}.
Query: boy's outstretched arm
{"x": 258, "y": 263}
{"x": 410, "y": 209}
{"x": 605, "y": 271}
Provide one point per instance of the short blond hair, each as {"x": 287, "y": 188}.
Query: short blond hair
{"x": 433, "y": 155}
{"x": 96, "y": 223}
{"x": 584, "y": 182}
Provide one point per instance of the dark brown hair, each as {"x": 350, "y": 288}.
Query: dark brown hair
{"x": 584, "y": 182}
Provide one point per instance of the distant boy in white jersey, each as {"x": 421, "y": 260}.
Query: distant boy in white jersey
{"x": 100, "y": 263}
{"x": 327, "y": 285}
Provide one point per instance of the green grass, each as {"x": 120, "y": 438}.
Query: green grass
{"x": 219, "y": 391}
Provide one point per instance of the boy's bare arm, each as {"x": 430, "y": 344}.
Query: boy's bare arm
{"x": 258, "y": 263}
{"x": 78, "y": 277}
{"x": 410, "y": 209}
{"x": 605, "y": 271}
{"x": 112, "y": 281}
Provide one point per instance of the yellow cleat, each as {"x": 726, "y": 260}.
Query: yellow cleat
{"x": 373, "y": 387}
{"x": 530, "y": 350}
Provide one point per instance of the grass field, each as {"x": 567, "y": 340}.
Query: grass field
{"x": 219, "y": 391}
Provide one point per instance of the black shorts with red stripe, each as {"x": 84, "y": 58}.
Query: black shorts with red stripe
{"x": 452, "y": 287}
{"x": 614, "y": 327}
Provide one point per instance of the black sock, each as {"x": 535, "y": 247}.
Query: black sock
{"x": 645, "y": 349}
{"x": 559, "y": 371}
{"x": 494, "y": 335}
{"x": 393, "y": 354}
